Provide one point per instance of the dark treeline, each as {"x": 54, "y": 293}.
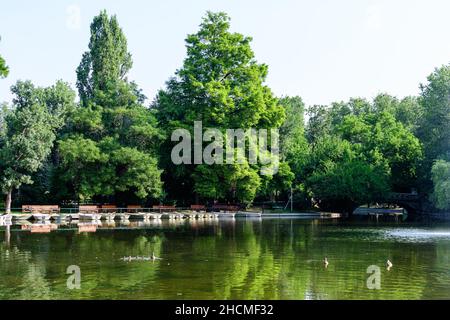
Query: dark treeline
{"x": 113, "y": 146}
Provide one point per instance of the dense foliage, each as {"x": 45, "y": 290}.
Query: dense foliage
{"x": 108, "y": 147}
{"x": 220, "y": 84}
{"x": 441, "y": 180}
{"x": 28, "y": 134}
{"x": 111, "y": 147}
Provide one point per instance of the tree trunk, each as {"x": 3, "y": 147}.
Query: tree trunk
{"x": 8, "y": 202}
{"x": 8, "y": 235}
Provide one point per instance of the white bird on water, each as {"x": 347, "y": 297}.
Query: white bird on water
{"x": 138, "y": 258}
{"x": 325, "y": 262}
{"x": 389, "y": 264}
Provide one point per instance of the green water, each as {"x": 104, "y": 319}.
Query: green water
{"x": 229, "y": 259}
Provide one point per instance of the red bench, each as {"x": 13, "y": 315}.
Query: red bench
{"x": 40, "y": 209}
{"x": 165, "y": 208}
{"x": 133, "y": 208}
{"x": 88, "y": 209}
{"x": 109, "y": 208}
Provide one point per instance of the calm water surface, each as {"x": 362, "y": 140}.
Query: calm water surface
{"x": 228, "y": 259}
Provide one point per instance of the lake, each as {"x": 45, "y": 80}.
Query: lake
{"x": 228, "y": 259}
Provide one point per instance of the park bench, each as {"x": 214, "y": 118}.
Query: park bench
{"x": 225, "y": 207}
{"x": 49, "y": 209}
{"x": 198, "y": 207}
{"x": 88, "y": 209}
{"x": 109, "y": 208}
{"x": 134, "y": 208}
{"x": 164, "y": 208}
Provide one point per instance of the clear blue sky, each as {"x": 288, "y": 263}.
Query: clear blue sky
{"x": 322, "y": 50}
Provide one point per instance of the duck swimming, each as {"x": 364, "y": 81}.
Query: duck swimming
{"x": 389, "y": 264}
{"x": 139, "y": 258}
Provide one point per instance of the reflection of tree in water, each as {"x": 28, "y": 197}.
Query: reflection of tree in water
{"x": 350, "y": 253}
{"x": 440, "y": 280}
{"x": 279, "y": 259}
{"x": 270, "y": 263}
{"x": 104, "y": 275}
{"x": 284, "y": 261}
{"x": 25, "y": 275}
{"x": 34, "y": 284}
{"x": 42, "y": 275}
{"x": 234, "y": 263}
{"x": 15, "y": 270}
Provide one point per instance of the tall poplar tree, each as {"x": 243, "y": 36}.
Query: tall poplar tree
{"x": 108, "y": 151}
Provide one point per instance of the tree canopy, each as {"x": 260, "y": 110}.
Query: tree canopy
{"x": 113, "y": 147}
{"x": 27, "y": 137}
{"x": 361, "y": 147}
{"x": 222, "y": 85}
{"x": 441, "y": 179}
{"x": 434, "y": 129}
{"x": 109, "y": 148}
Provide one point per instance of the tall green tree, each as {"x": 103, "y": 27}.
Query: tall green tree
{"x": 363, "y": 142}
{"x": 107, "y": 62}
{"x": 294, "y": 152}
{"x": 27, "y": 140}
{"x": 383, "y": 141}
{"x": 337, "y": 176}
{"x": 441, "y": 180}
{"x": 434, "y": 131}
{"x": 60, "y": 102}
{"x": 292, "y": 131}
{"x": 108, "y": 150}
{"x": 222, "y": 85}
